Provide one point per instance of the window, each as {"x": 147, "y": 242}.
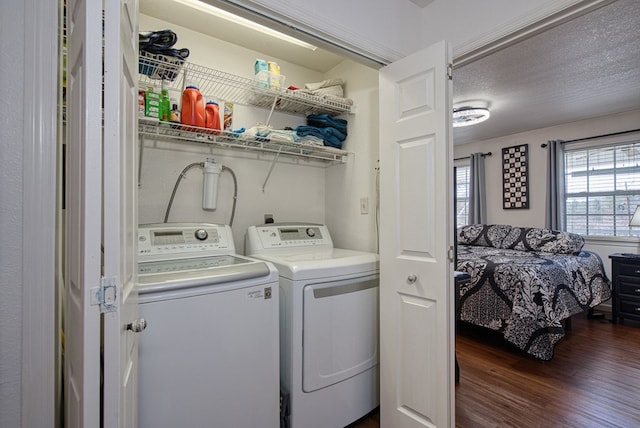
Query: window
{"x": 602, "y": 189}
{"x": 462, "y": 174}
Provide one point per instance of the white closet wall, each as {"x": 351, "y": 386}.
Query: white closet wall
{"x": 296, "y": 188}
{"x": 345, "y": 186}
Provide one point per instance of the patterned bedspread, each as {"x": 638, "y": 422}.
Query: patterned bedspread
{"x": 525, "y": 295}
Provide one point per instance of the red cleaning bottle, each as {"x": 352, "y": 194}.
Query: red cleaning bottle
{"x": 192, "y": 107}
{"x": 212, "y": 115}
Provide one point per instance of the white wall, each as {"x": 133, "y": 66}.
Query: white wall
{"x": 296, "y": 190}
{"x": 347, "y": 184}
{"x": 535, "y": 215}
{"x": 12, "y": 44}
{"x": 27, "y": 212}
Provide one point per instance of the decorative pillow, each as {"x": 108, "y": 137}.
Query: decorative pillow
{"x": 485, "y": 235}
{"x": 543, "y": 240}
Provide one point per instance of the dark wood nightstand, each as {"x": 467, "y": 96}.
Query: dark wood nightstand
{"x": 625, "y": 271}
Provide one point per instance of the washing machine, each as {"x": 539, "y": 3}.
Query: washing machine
{"x": 209, "y": 356}
{"x": 328, "y": 323}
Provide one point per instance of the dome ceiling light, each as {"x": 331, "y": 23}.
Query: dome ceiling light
{"x": 465, "y": 116}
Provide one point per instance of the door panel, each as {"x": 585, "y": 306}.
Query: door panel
{"x": 415, "y": 95}
{"x": 415, "y": 165}
{"x": 416, "y": 306}
{"x": 120, "y": 211}
{"x": 417, "y": 357}
{"x": 84, "y": 167}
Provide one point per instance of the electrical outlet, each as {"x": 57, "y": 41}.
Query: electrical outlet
{"x": 364, "y": 206}
{"x": 268, "y": 218}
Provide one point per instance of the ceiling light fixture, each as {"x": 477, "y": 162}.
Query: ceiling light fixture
{"x": 223, "y": 14}
{"x": 465, "y": 116}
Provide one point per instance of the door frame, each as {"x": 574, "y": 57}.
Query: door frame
{"x": 39, "y": 104}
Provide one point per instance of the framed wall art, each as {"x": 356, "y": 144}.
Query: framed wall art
{"x": 515, "y": 177}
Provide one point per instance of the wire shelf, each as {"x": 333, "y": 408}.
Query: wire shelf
{"x": 231, "y": 140}
{"x": 175, "y": 74}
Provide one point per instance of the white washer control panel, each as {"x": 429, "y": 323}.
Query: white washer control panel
{"x": 290, "y": 235}
{"x": 176, "y": 239}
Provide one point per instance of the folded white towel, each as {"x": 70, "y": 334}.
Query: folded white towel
{"x": 347, "y": 101}
{"x": 336, "y": 91}
{"x": 324, "y": 83}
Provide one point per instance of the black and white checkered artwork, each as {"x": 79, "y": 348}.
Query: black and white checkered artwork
{"x": 515, "y": 177}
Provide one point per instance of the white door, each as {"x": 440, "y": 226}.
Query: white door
{"x": 416, "y": 238}
{"x": 84, "y": 169}
{"x": 120, "y": 211}
{"x": 101, "y": 213}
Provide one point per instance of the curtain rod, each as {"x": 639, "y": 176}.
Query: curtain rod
{"x": 468, "y": 157}
{"x": 595, "y": 137}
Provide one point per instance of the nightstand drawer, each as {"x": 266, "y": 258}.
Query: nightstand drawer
{"x": 629, "y": 288}
{"x": 625, "y": 290}
{"x": 629, "y": 308}
{"x": 629, "y": 269}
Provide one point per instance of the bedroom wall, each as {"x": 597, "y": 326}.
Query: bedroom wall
{"x": 535, "y": 215}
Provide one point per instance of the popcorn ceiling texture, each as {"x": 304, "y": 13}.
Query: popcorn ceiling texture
{"x": 584, "y": 68}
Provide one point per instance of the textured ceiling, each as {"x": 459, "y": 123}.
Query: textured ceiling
{"x": 584, "y": 68}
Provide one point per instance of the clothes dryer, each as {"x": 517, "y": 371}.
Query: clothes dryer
{"x": 328, "y": 323}
{"x": 209, "y": 356}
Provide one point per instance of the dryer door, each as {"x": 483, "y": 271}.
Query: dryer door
{"x": 340, "y": 330}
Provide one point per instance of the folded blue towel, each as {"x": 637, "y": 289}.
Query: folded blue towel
{"x": 309, "y": 130}
{"x": 325, "y": 120}
{"x": 334, "y": 133}
{"x": 332, "y": 142}
{"x": 330, "y": 136}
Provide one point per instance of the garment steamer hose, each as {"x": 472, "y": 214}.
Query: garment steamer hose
{"x": 201, "y": 165}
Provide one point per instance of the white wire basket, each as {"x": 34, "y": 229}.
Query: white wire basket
{"x": 215, "y": 84}
{"x": 159, "y": 67}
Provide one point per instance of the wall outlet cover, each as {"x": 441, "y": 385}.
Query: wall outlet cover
{"x": 364, "y": 206}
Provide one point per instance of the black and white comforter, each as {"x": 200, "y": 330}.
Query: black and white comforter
{"x": 525, "y": 295}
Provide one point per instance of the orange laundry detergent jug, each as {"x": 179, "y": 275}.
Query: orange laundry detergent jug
{"x": 212, "y": 115}
{"x": 192, "y": 107}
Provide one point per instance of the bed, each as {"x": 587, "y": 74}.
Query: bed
{"x": 526, "y": 281}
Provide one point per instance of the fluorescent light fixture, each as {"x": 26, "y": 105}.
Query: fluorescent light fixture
{"x": 465, "y": 116}
{"x": 635, "y": 220}
{"x": 223, "y": 14}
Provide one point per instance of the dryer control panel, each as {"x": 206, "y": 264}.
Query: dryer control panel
{"x": 160, "y": 240}
{"x": 288, "y": 235}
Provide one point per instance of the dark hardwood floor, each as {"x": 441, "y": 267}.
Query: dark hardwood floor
{"x": 592, "y": 381}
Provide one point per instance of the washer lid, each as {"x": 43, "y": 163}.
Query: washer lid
{"x": 322, "y": 263}
{"x": 180, "y": 265}
{"x": 158, "y": 276}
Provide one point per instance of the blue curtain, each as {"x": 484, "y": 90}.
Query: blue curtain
{"x": 554, "y": 216}
{"x": 477, "y": 192}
